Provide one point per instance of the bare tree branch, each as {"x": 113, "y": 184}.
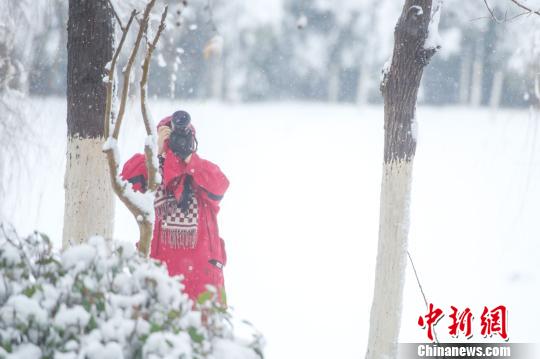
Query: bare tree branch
{"x": 526, "y": 8}
{"x": 127, "y": 69}
{"x": 111, "y": 71}
{"x": 527, "y": 11}
{"x": 141, "y": 211}
{"x": 492, "y": 13}
{"x": 149, "y": 147}
{"x": 145, "y": 70}
{"x": 149, "y": 151}
{"x": 519, "y": 15}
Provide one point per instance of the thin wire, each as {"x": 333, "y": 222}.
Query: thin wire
{"x": 422, "y": 291}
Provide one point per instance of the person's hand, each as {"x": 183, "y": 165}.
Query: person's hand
{"x": 163, "y": 134}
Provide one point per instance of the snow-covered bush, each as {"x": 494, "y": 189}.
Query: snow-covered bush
{"x": 103, "y": 300}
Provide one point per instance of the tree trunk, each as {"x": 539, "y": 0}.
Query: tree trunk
{"x": 89, "y": 200}
{"x": 363, "y": 84}
{"x": 465, "y": 77}
{"x": 533, "y": 87}
{"x": 400, "y": 89}
{"x": 477, "y": 74}
{"x": 496, "y": 90}
{"x": 216, "y": 77}
{"x": 333, "y": 83}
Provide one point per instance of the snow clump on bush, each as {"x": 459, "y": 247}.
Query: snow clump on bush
{"x": 104, "y": 300}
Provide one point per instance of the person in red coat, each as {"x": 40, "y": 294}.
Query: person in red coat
{"x": 186, "y": 235}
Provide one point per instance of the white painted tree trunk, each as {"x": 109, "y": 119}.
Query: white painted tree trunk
{"x": 216, "y": 70}
{"x": 333, "y": 83}
{"x": 363, "y": 85}
{"x": 391, "y": 259}
{"x": 477, "y": 75}
{"x": 496, "y": 90}
{"x": 89, "y": 198}
{"x": 89, "y": 202}
{"x": 465, "y": 78}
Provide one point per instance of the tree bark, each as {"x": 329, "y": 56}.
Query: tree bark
{"x": 399, "y": 88}
{"x": 89, "y": 201}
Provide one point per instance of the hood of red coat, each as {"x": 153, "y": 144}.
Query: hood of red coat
{"x": 134, "y": 168}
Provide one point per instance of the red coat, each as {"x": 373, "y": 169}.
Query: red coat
{"x": 203, "y": 264}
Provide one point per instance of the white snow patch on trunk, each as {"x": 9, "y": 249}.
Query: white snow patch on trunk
{"x": 89, "y": 198}
{"x": 418, "y": 9}
{"x": 386, "y": 68}
{"x": 433, "y": 40}
{"x": 391, "y": 260}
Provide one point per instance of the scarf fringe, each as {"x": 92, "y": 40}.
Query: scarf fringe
{"x": 180, "y": 238}
{"x": 165, "y": 208}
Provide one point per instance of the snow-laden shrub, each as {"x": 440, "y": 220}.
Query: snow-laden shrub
{"x": 103, "y": 300}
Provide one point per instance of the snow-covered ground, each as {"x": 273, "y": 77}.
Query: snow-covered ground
{"x": 301, "y": 216}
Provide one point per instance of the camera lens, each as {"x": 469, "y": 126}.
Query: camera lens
{"x": 180, "y": 120}
{"x": 181, "y": 143}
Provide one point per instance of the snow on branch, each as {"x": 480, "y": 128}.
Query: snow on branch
{"x": 139, "y": 204}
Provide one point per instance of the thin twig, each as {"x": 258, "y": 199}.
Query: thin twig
{"x": 492, "y": 13}
{"x": 148, "y": 149}
{"x": 127, "y": 69}
{"x": 145, "y": 68}
{"x": 108, "y": 104}
{"x": 525, "y": 7}
{"x": 519, "y": 15}
{"x": 116, "y": 15}
{"x": 20, "y": 247}
{"x": 527, "y": 11}
{"x": 422, "y": 291}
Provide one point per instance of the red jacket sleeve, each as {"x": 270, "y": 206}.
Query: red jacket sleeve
{"x": 208, "y": 177}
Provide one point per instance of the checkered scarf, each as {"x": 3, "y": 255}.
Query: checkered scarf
{"x": 179, "y": 228}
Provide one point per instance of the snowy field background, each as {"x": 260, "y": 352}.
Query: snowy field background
{"x": 300, "y": 219}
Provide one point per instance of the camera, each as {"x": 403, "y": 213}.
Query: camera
{"x": 182, "y": 139}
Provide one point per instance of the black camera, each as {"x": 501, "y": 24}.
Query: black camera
{"x": 182, "y": 139}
